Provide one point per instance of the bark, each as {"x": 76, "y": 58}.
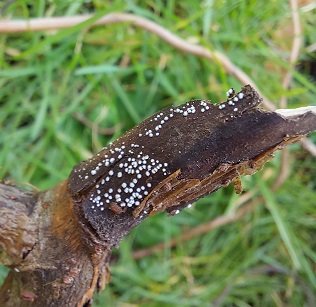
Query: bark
{"x": 58, "y": 242}
{"x": 53, "y": 261}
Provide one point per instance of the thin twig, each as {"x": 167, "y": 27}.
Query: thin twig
{"x": 93, "y": 126}
{"x": 55, "y": 23}
{"x": 309, "y": 146}
{"x": 284, "y": 172}
{"x": 294, "y": 55}
{"x": 296, "y": 112}
{"x": 295, "y": 51}
{"x": 201, "y": 229}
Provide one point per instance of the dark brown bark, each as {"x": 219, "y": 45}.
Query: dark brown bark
{"x": 58, "y": 242}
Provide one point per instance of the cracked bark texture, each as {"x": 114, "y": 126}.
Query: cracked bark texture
{"x": 58, "y": 242}
{"x": 52, "y": 261}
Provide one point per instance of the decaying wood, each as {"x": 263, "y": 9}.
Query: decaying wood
{"x": 58, "y": 242}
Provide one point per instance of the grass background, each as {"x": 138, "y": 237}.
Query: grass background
{"x": 115, "y": 76}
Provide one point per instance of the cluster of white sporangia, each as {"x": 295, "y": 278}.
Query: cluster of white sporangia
{"x": 134, "y": 166}
{"x": 132, "y": 191}
{"x": 232, "y": 99}
{"x": 185, "y": 111}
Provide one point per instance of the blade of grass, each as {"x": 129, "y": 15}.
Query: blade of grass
{"x": 284, "y": 230}
{"x": 125, "y": 100}
{"x": 101, "y": 69}
{"x": 42, "y": 113}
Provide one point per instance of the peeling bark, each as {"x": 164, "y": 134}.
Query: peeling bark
{"x": 58, "y": 242}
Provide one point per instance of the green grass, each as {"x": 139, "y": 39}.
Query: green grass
{"x": 45, "y": 78}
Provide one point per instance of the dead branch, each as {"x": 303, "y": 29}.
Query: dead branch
{"x": 58, "y": 242}
{"x": 287, "y": 80}
{"x": 295, "y": 50}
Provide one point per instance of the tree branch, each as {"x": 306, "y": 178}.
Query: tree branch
{"x": 18, "y": 224}
{"x": 41, "y": 239}
{"x": 59, "y": 241}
